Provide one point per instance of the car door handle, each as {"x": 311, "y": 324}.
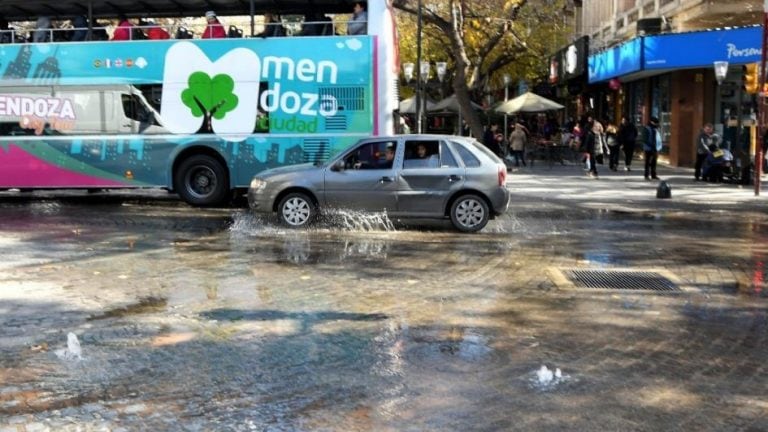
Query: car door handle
{"x": 386, "y": 179}
{"x": 454, "y": 178}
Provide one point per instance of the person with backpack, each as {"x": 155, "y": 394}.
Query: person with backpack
{"x": 651, "y": 138}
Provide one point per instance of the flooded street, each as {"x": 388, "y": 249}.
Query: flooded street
{"x": 211, "y": 319}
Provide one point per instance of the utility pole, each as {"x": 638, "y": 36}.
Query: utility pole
{"x": 761, "y": 99}
{"x": 419, "y": 96}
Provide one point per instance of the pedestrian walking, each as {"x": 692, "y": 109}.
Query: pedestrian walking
{"x": 599, "y": 131}
{"x": 517, "y": 140}
{"x": 703, "y": 144}
{"x": 627, "y": 137}
{"x": 591, "y": 144}
{"x": 612, "y": 142}
{"x": 493, "y": 139}
{"x": 651, "y": 138}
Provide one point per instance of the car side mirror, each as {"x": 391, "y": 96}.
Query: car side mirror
{"x": 338, "y": 165}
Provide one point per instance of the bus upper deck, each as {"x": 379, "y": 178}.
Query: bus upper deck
{"x": 199, "y": 117}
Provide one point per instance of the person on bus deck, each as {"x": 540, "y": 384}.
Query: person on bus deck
{"x": 273, "y": 26}
{"x": 154, "y": 31}
{"x": 123, "y": 30}
{"x": 359, "y": 23}
{"x": 79, "y": 29}
{"x": 214, "y": 30}
{"x": 315, "y": 25}
{"x": 5, "y": 31}
{"x": 42, "y": 31}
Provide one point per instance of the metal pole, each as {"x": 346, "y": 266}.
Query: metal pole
{"x": 761, "y": 104}
{"x": 253, "y": 23}
{"x": 418, "y": 70}
{"x": 506, "y": 97}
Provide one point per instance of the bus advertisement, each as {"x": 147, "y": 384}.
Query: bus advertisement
{"x": 198, "y": 117}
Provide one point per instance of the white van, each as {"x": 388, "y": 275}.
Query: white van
{"x": 80, "y": 110}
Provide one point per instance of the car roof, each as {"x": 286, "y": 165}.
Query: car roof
{"x": 421, "y": 137}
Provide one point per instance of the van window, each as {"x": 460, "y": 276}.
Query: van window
{"x": 134, "y": 109}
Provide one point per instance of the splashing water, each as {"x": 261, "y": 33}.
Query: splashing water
{"x": 73, "y": 350}
{"x": 361, "y": 221}
{"x": 545, "y": 378}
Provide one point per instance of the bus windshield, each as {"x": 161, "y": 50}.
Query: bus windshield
{"x": 133, "y": 111}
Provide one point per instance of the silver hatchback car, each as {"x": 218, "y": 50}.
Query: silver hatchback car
{"x": 406, "y": 176}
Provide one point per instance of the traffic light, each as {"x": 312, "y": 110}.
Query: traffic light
{"x": 749, "y": 78}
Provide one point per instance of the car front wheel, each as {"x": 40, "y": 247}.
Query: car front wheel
{"x": 469, "y": 213}
{"x": 296, "y": 210}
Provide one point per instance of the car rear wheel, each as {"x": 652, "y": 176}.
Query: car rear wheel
{"x": 469, "y": 213}
{"x": 296, "y": 210}
{"x": 201, "y": 180}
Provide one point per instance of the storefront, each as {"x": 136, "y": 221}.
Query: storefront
{"x": 671, "y": 77}
{"x": 568, "y": 74}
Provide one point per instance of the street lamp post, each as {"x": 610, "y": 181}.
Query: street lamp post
{"x": 721, "y": 71}
{"x": 507, "y": 80}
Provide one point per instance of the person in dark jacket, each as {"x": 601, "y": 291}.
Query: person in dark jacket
{"x": 627, "y": 137}
{"x": 273, "y": 26}
{"x": 651, "y": 139}
{"x": 493, "y": 139}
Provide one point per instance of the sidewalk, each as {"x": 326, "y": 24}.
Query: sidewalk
{"x": 628, "y": 190}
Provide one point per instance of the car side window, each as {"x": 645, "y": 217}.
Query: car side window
{"x": 372, "y": 155}
{"x": 470, "y": 160}
{"x": 422, "y": 154}
{"x": 446, "y": 157}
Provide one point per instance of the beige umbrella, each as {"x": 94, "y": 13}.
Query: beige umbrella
{"x": 408, "y": 106}
{"x": 528, "y": 102}
{"x": 451, "y": 103}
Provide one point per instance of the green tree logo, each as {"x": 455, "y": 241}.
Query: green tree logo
{"x": 209, "y": 97}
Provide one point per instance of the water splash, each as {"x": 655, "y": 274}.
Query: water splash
{"x": 72, "y": 351}
{"x": 546, "y": 379}
{"x": 350, "y": 220}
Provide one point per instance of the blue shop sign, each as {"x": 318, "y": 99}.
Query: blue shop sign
{"x": 620, "y": 60}
{"x": 701, "y": 49}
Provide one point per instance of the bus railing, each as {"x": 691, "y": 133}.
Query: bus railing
{"x": 175, "y": 31}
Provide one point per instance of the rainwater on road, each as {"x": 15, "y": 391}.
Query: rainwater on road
{"x": 212, "y": 319}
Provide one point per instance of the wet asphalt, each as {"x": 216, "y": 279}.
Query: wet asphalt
{"x": 212, "y": 319}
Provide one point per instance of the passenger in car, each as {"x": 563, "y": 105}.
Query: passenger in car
{"x": 422, "y": 158}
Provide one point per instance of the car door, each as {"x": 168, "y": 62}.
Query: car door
{"x": 425, "y": 183}
{"x": 367, "y": 180}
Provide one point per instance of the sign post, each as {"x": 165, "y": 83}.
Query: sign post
{"x": 761, "y": 105}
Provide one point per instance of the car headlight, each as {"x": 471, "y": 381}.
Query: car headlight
{"x": 258, "y": 184}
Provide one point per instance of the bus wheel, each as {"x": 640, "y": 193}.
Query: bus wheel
{"x": 201, "y": 180}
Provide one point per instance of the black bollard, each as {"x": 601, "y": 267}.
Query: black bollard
{"x": 664, "y": 190}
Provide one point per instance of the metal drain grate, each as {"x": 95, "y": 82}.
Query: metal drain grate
{"x": 618, "y": 279}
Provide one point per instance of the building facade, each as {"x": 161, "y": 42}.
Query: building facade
{"x": 656, "y": 58}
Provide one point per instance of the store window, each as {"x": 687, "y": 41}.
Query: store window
{"x": 661, "y": 107}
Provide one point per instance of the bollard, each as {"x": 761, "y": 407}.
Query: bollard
{"x": 664, "y": 190}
